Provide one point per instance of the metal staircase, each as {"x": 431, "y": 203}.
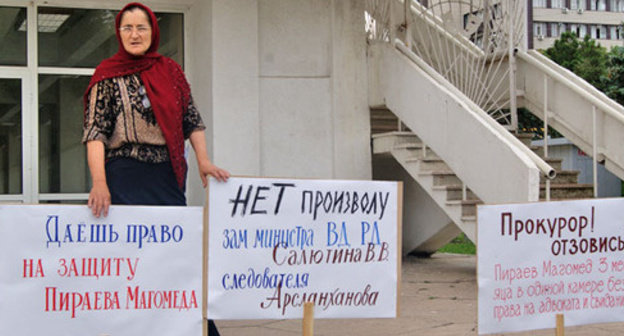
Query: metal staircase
{"x": 443, "y": 185}
{"x": 443, "y": 100}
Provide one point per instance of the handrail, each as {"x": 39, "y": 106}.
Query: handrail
{"x": 572, "y": 77}
{"x": 601, "y": 105}
{"x": 544, "y": 167}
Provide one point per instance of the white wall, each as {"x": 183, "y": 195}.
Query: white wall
{"x": 282, "y": 87}
{"x": 199, "y": 73}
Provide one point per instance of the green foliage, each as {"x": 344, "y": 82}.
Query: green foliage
{"x": 585, "y": 58}
{"x": 565, "y": 50}
{"x": 592, "y": 62}
{"x": 460, "y": 245}
{"x": 529, "y": 123}
{"x": 614, "y": 80}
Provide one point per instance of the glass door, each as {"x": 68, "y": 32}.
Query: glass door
{"x": 11, "y": 139}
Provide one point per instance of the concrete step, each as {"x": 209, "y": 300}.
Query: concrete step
{"x": 468, "y": 207}
{"x": 419, "y": 154}
{"x": 472, "y": 219}
{"x": 442, "y": 178}
{"x": 383, "y": 121}
{"x": 386, "y": 142}
{"x": 563, "y": 177}
{"x": 526, "y": 138}
{"x": 454, "y": 192}
{"x": 429, "y": 164}
{"x": 414, "y": 146}
{"x": 539, "y": 150}
{"x": 555, "y": 163}
{"x": 568, "y": 191}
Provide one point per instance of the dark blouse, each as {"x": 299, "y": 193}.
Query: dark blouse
{"x": 120, "y": 115}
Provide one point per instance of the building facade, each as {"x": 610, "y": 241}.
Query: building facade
{"x": 600, "y": 19}
{"x": 281, "y": 86}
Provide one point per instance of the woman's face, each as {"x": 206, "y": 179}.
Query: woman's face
{"x": 135, "y": 32}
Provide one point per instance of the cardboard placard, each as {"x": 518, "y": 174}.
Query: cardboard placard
{"x": 136, "y": 272}
{"x": 538, "y": 260}
{"x": 276, "y": 243}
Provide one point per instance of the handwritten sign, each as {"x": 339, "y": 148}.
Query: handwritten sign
{"x": 275, "y": 244}
{"x": 136, "y": 272}
{"x": 541, "y": 259}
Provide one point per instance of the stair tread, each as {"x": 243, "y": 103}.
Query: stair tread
{"x": 568, "y": 172}
{"x": 425, "y": 159}
{"x": 394, "y": 133}
{"x": 450, "y": 187}
{"x": 567, "y": 185}
{"x": 464, "y": 202}
{"x": 437, "y": 172}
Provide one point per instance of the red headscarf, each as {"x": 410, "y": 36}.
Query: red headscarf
{"x": 165, "y": 84}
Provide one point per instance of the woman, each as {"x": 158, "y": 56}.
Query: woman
{"x": 138, "y": 112}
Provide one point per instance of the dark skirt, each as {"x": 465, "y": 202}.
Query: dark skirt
{"x": 132, "y": 182}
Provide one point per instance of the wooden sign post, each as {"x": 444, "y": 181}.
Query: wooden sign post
{"x": 308, "y": 319}
{"x": 560, "y": 329}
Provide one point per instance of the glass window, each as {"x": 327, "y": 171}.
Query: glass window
{"x": 539, "y": 3}
{"x": 601, "y": 32}
{"x": 554, "y": 30}
{"x": 12, "y": 36}
{"x": 10, "y": 136}
{"x": 62, "y": 159}
{"x": 74, "y": 37}
{"x": 602, "y": 5}
{"x": 582, "y": 30}
{"x": 577, "y": 4}
{"x": 557, "y": 4}
{"x": 539, "y": 29}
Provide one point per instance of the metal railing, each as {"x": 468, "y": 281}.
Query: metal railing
{"x": 547, "y": 171}
{"x": 595, "y": 99}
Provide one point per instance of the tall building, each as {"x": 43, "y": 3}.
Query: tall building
{"x": 600, "y": 19}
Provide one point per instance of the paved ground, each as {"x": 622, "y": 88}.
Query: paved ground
{"x": 438, "y": 297}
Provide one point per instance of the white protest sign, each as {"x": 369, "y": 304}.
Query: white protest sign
{"x": 136, "y": 272}
{"x": 538, "y": 260}
{"x": 276, "y": 243}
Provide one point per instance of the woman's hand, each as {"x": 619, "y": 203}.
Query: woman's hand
{"x": 99, "y": 199}
{"x": 208, "y": 168}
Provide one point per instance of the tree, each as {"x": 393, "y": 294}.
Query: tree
{"x": 592, "y": 62}
{"x": 586, "y": 58}
{"x": 565, "y": 50}
{"x": 614, "y": 79}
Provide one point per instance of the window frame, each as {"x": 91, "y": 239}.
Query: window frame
{"x": 29, "y": 76}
